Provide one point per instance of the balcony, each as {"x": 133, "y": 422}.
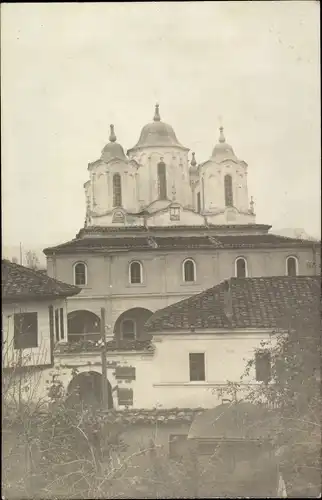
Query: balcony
{"x": 96, "y": 346}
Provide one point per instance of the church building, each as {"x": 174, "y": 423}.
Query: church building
{"x": 161, "y": 227}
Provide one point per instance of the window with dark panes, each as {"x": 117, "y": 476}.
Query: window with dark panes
{"x": 291, "y": 266}
{"x": 80, "y": 274}
{"x": 62, "y": 329}
{"x": 57, "y": 324}
{"x": 51, "y": 324}
{"x": 25, "y": 330}
{"x": 162, "y": 180}
{"x": 198, "y": 202}
{"x": 189, "y": 271}
{"x": 128, "y": 329}
{"x": 228, "y": 181}
{"x": 135, "y": 273}
{"x": 197, "y": 366}
{"x": 117, "y": 190}
{"x": 241, "y": 268}
{"x": 263, "y": 366}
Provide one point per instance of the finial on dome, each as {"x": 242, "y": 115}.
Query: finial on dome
{"x": 112, "y": 134}
{"x": 221, "y": 135}
{"x": 193, "y": 161}
{"x": 156, "y": 117}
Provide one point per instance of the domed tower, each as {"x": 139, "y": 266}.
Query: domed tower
{"x": 223, "y": 186}
{"x": 162, "y": 164}
{"x": 112, "y": 184}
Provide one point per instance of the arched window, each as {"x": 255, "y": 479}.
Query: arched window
{"x": 136, "y": 272}
{"x": 162, "y": 180}
{"x": 198, "y": 202}
{"x": 241, "y": 268}
{"x": 128, "y": 328}
{"x": 229, "y": 201}
{"x": 80, "y": 274}
{"x": 189, "y": 271}
{"x": 291, "y": 266}
{"x": 117, "y": 190}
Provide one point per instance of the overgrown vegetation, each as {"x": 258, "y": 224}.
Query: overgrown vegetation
{"x": 294, "y": 391}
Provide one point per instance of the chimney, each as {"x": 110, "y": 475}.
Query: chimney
{"x": 228, "y": 303}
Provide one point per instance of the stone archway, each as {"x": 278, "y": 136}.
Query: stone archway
{"x": 85, "y": 389}
{"x": 130, "y": 324}
{"x": 83, "y": 325}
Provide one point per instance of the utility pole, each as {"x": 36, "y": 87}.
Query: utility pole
{"x": 103, "y": 357}
{"x": 20, "y": 246}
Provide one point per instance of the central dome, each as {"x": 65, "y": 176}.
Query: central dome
{"x": 157, "y": 133}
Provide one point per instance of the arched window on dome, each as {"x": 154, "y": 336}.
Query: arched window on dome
{"x": 189, "y": 271}
{"x": 80, "y": 274}
{"x": 162, "y": 180}
{"x": 291, "y": 266}
{"x": 117, "y": 190}
{"x": 135, "y": 272}
{"x": 241, "y": 268}
{"x": 229, "y": 201}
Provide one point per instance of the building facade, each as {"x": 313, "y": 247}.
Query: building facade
{"x": 159, "y": 228}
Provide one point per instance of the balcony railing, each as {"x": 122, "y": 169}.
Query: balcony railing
{"x": 96, "y": 346}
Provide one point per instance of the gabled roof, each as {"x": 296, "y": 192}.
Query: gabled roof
{"x": 22, "y": 283}
{"x": 171, "y": 242}
{"x": 241, "y": 303}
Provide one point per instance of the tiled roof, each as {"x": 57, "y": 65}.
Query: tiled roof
{"x": 21, "y": 283}
{"x": 178, "y": 242}
{"x": 253, "y": 303}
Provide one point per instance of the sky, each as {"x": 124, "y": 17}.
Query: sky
{"x": 69, "y": 70}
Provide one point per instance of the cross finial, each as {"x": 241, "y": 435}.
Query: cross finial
{"x": 156, "y": 117}
{"x": 112, "y": 134}
{"x": 221, "y": 135}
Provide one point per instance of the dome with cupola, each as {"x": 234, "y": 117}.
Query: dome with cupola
{"x": 222, "y": 149}
{"x": 157, "y": 133}
{"x": 113, "y": 150}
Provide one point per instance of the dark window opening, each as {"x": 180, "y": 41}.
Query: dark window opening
{"x": 80, "y": 274}
{"x": 62, "y": 329}
{"x": 25, "y": 330}
{"x": 291, "y": 266}
{"x": 263, "y": 366}
{"x": 51, "y": 324}
{"x": 117, "y": 191}
{"x": 135, "y": 273}
{"x": 197, "y": 366}
{"x": 128, "y": 329}
{"x": 241, "y": 268}
{"x": 189, "y": 271}
{"x": 229, "y": 202}
{"x": 57, "y": 324}
{"x": 162, "y": 180}
{"x": 198, "y": 202}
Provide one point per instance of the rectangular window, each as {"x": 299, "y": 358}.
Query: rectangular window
{"x": 197, "y": 366}
{"x": 198, "y": 202}
{"x": 57, "y": 324}
{"x": 62, "y": 330}
{"x": 263, "y": 366}
{"x": 25, "y": 330}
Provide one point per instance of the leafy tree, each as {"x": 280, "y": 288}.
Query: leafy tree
{"x": 294, "y": 392}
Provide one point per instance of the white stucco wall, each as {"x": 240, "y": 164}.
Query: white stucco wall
{"x": 37, "y": 355}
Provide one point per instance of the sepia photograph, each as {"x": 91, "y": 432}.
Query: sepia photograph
{"x": 161, "y": 250}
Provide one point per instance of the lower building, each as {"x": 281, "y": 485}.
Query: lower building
{"x": 196, "y": 346}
